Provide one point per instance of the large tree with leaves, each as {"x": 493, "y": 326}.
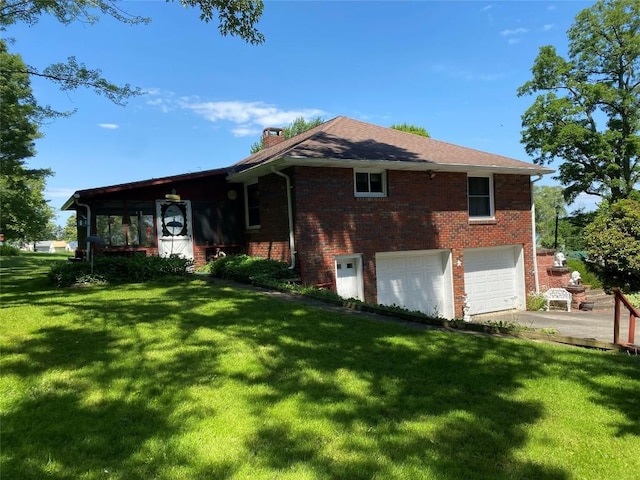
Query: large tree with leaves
{"x": 23, "y": 210}
{"x": 587, "y": 112}
{"x": 235, "y": 17}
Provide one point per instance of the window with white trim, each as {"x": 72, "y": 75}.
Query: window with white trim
{"x": 370, "y": 183}
{"x": 480, "y": 193}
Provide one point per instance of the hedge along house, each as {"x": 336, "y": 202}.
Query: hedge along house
{"x": 394, "y": 218}
{"x": 370, "y": 212}
{"x": 194, "y": 215}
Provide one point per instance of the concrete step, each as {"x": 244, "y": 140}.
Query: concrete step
{"x": 601, "y": 300}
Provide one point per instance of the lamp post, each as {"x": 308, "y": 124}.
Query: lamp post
{"x": 555, "y": 242}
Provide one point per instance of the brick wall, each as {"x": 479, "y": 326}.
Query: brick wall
{"x": 419, "y": 213}
{"x": 271, "y": 240}
{"x": 549, "y": 277}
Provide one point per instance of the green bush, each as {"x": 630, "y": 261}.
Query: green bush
{"x": 588, "y": 276}
{"x": 613, "y": 243}
{"x": 535, "y": 302}
{"x": 634, "y": 298}
{"x": 8, "y": 251}
{"x": 246, "y": 269}
{"x": 118, "y": 270}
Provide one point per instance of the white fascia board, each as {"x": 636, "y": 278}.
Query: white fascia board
{"x": 265, "y": 168}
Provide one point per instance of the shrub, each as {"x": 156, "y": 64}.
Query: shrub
{"x": 118, "y": 270}
{"x": 613, "y": 244}
{"x": 246, "y": 269}
{"x": 634, "y": 298}
{"x": 588, "y": 276}
{"x": 535, "y": 302}
{"x": 8, "y": 251}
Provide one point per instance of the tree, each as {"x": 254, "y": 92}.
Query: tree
{"x": 24, "y": 211}
{"x": 613, "y": 245}
{"x": 571, "y": 225}
{"x": 235, "y": 17}
{"x": 70, "y": 231}
{"x": 546, "y": 198}
{"x": 588, "y": 111}
{"x": 404, "y": 127}
{"x": 298, "y": 126}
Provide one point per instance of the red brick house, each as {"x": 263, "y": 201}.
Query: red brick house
{"x": 392, "y": 217}
{"x": 371, "y": 212}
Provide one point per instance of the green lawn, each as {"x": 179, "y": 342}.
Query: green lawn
{"x": 186, "y": 379}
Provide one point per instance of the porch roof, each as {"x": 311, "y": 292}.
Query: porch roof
{"x": 91, "y": 193}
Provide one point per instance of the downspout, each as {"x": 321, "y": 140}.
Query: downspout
{"x": 292, "y": 242}
{"x": 77, "y": 196}
{"x": 533, "y": 234}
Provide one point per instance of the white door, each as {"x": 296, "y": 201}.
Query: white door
{"x": 494, "y": 279}
{"x": 349, "y": 276}
{"x": 175, "y": 231}
{"x": 416, "y": 281}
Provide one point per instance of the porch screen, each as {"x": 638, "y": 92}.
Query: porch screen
{"x": 217, "y": 223}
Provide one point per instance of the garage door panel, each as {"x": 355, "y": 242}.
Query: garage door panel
{"x": 491, "y": 279}
{"x": 412, "y": 281}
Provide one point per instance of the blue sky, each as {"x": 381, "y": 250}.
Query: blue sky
{"x": 452, "y": 67}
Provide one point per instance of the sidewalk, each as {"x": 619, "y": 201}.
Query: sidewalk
{"x": 594, "y": 325}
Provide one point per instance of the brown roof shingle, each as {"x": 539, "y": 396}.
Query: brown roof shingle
{"x": 344, "y": 138}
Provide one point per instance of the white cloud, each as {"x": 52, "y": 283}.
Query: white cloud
{"x": 469, "y": 76}
{"x": 248, "y": 118}
{"x": 109, "y": 126}
{"x": 251, "y": 117}
{"x": 515, "y": 31}
{"x": 513, "y": 41}
{"x": 58, "y": 193}
{"x": 160, "y": 99}
{"x": 548, "y": 26}
{"x": 244, "y": 131}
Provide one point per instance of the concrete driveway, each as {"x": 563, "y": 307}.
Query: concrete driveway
{"x": 591, "y": 325}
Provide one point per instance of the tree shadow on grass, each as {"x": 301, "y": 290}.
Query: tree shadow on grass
{"x": 402, "y": 391}
{"x": 107, "y": 399}
{"x": 614, "y": 384}
{"x": 364, "y": 398}
{"x": 60, "y": 435}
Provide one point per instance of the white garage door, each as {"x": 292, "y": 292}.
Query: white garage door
{"x": 494, "y": 279}
{"x": 415, "y": 281}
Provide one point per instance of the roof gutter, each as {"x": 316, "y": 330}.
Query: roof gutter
{"x": 292, "y": 242}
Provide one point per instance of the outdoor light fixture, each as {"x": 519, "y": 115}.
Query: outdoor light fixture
{"x": 172, "y": 196}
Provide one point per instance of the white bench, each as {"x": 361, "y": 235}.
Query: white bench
{"x": 558, "y": 295}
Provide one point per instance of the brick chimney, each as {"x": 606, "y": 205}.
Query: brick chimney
{"x": 272, "y": 136}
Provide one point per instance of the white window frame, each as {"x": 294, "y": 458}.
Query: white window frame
{"x": 368, "y": 171}
{"x": 246, "y": 204}
{"x": 491, "y": 198}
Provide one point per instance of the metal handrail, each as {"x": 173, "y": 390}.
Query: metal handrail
{"x": 633, "y": 314}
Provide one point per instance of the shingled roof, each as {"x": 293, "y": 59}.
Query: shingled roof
{"x": 345, "y": 142}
